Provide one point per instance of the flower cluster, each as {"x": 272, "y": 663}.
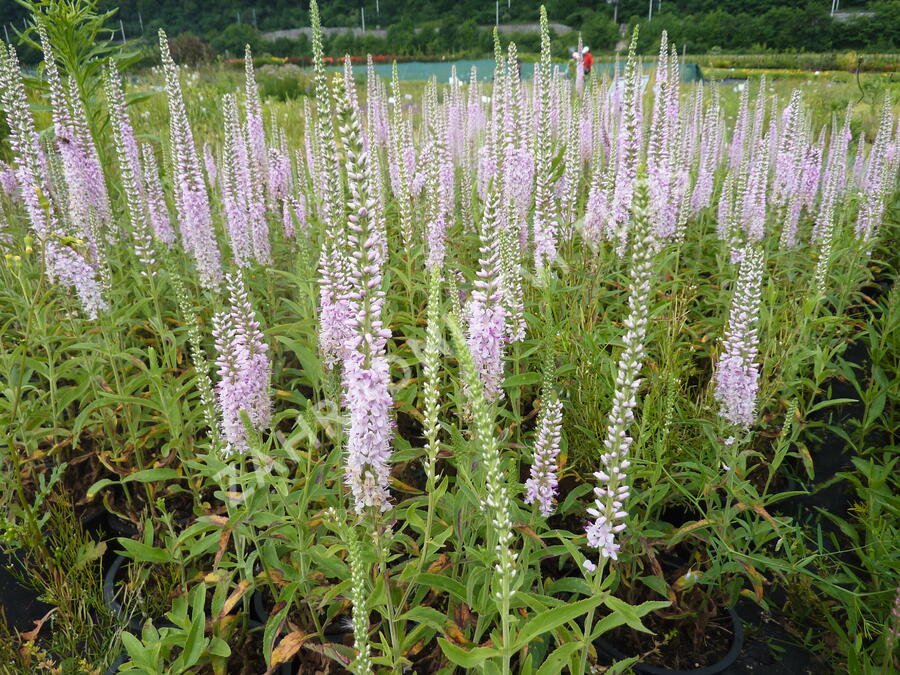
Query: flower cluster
{"x": 495, "y": 499}
{"x": 244, "y": 368}
{"x": 486, "y": 332}
{"x": 612, "y": 490}
{"x": 129, "y": 168}
{"x": 157, "y": 210}
{"x": 737, "y": 373}
{"x": 541, "y": 485}
{"x": 242, "y": 191}
{"x": 88, "y": 202}
{"x": 544, "y": 225}
{"x": 71, "y": 264}
{"x": 191, "y": 197}
{"x": 366, "y": 375}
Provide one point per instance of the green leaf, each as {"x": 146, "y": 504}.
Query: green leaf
{"x": 830, "y": 402}
{"x": 142, "y": 552}
{"x": 471, "y": 658}
{"x": 90, "y": 552}
{"x": 631, "y": 614}
{"x": 875, "y": 410}
{"x": 194, "y": 643}
{"x": 132, "y": 645}
{"x": 151, "y": 476}
{"x": 446, "y": 584}
{"x": 558, "y": 658}
{"x": 219, "y": 647}
{"x": 569, "y": 585}
{"x": 607, "y": 623}
{"x": 553, "y": 618}
{"x": 658, "y": 584}
{"x": 426, "y": 615}
{"x": 99, "y": 485}
{"x": 522, "y": 379}
{"x": 270, "y": 634}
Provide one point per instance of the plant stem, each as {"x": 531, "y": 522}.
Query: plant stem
{"x": 589, "y": 619}
{"x": 392, "y": 629}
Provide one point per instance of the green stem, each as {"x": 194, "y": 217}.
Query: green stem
{"x": 392, "y": 628}
{"x": 504, "y": 625}
{"x": 589, "y": 619}
{"x": 34, "y": 530}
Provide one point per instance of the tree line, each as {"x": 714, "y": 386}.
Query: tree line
{"x": 426, "y": 28}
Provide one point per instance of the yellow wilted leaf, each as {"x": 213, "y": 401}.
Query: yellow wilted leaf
{"x": 526, "y": 529}
{"x": 807, "y": 461}
{"x": 455, "y": 634}
{"x": 290, "y": 644}
{"x": 686, "y": 581}
{"x": 403, "y": 487}
{"x": 415, "y": 649}
{"x": 223, "y": 544}
{"x": 690, "y": 527}
{"x": 756, "y": 579}
{"x": 232, "y": 599}
{"x": 439, "y": 565}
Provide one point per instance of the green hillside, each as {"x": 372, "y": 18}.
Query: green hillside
{"x": 431, "y": 28}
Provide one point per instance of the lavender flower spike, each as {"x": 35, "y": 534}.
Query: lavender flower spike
{"x": 71, "y": 266}
{"x": 542, "y": 483}
{"x": 191, "y": 197}
{"x": 244, "y": 368}
{"x": 612, "y": 491}
{"x": 737, "y": 374}
{"x": 366, "y": 372}
{"x": 486, "y": 332}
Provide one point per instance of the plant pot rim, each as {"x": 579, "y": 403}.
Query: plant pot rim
{"x": 261, "y": 618}
{"x": 737, "y": 645}
{"x": 136, "y": 625}
{"x": 109, "y": 597}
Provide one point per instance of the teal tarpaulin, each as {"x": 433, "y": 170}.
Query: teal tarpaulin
{"x": 422, "y": 70}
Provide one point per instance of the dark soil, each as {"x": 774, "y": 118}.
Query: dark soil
{"x": 681, "y": 644}
{"x": 21, "y": 607}
{"x": 770, "y": 649}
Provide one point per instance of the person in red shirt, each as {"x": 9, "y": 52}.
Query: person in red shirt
{"x": 587, "y": 60}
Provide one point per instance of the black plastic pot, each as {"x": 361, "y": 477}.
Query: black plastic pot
{"x": 261, "y": 616}
{"x": 109, "y": 593}
{"x": 136, "y": 625}
{"x": 604, "y": 647}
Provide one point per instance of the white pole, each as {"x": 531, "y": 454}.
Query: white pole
{"x": 650, "y": 12}
{"x": 497, "y": 16}
{"x": 362, "y": 12}
{"x": 377, "y": 9}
